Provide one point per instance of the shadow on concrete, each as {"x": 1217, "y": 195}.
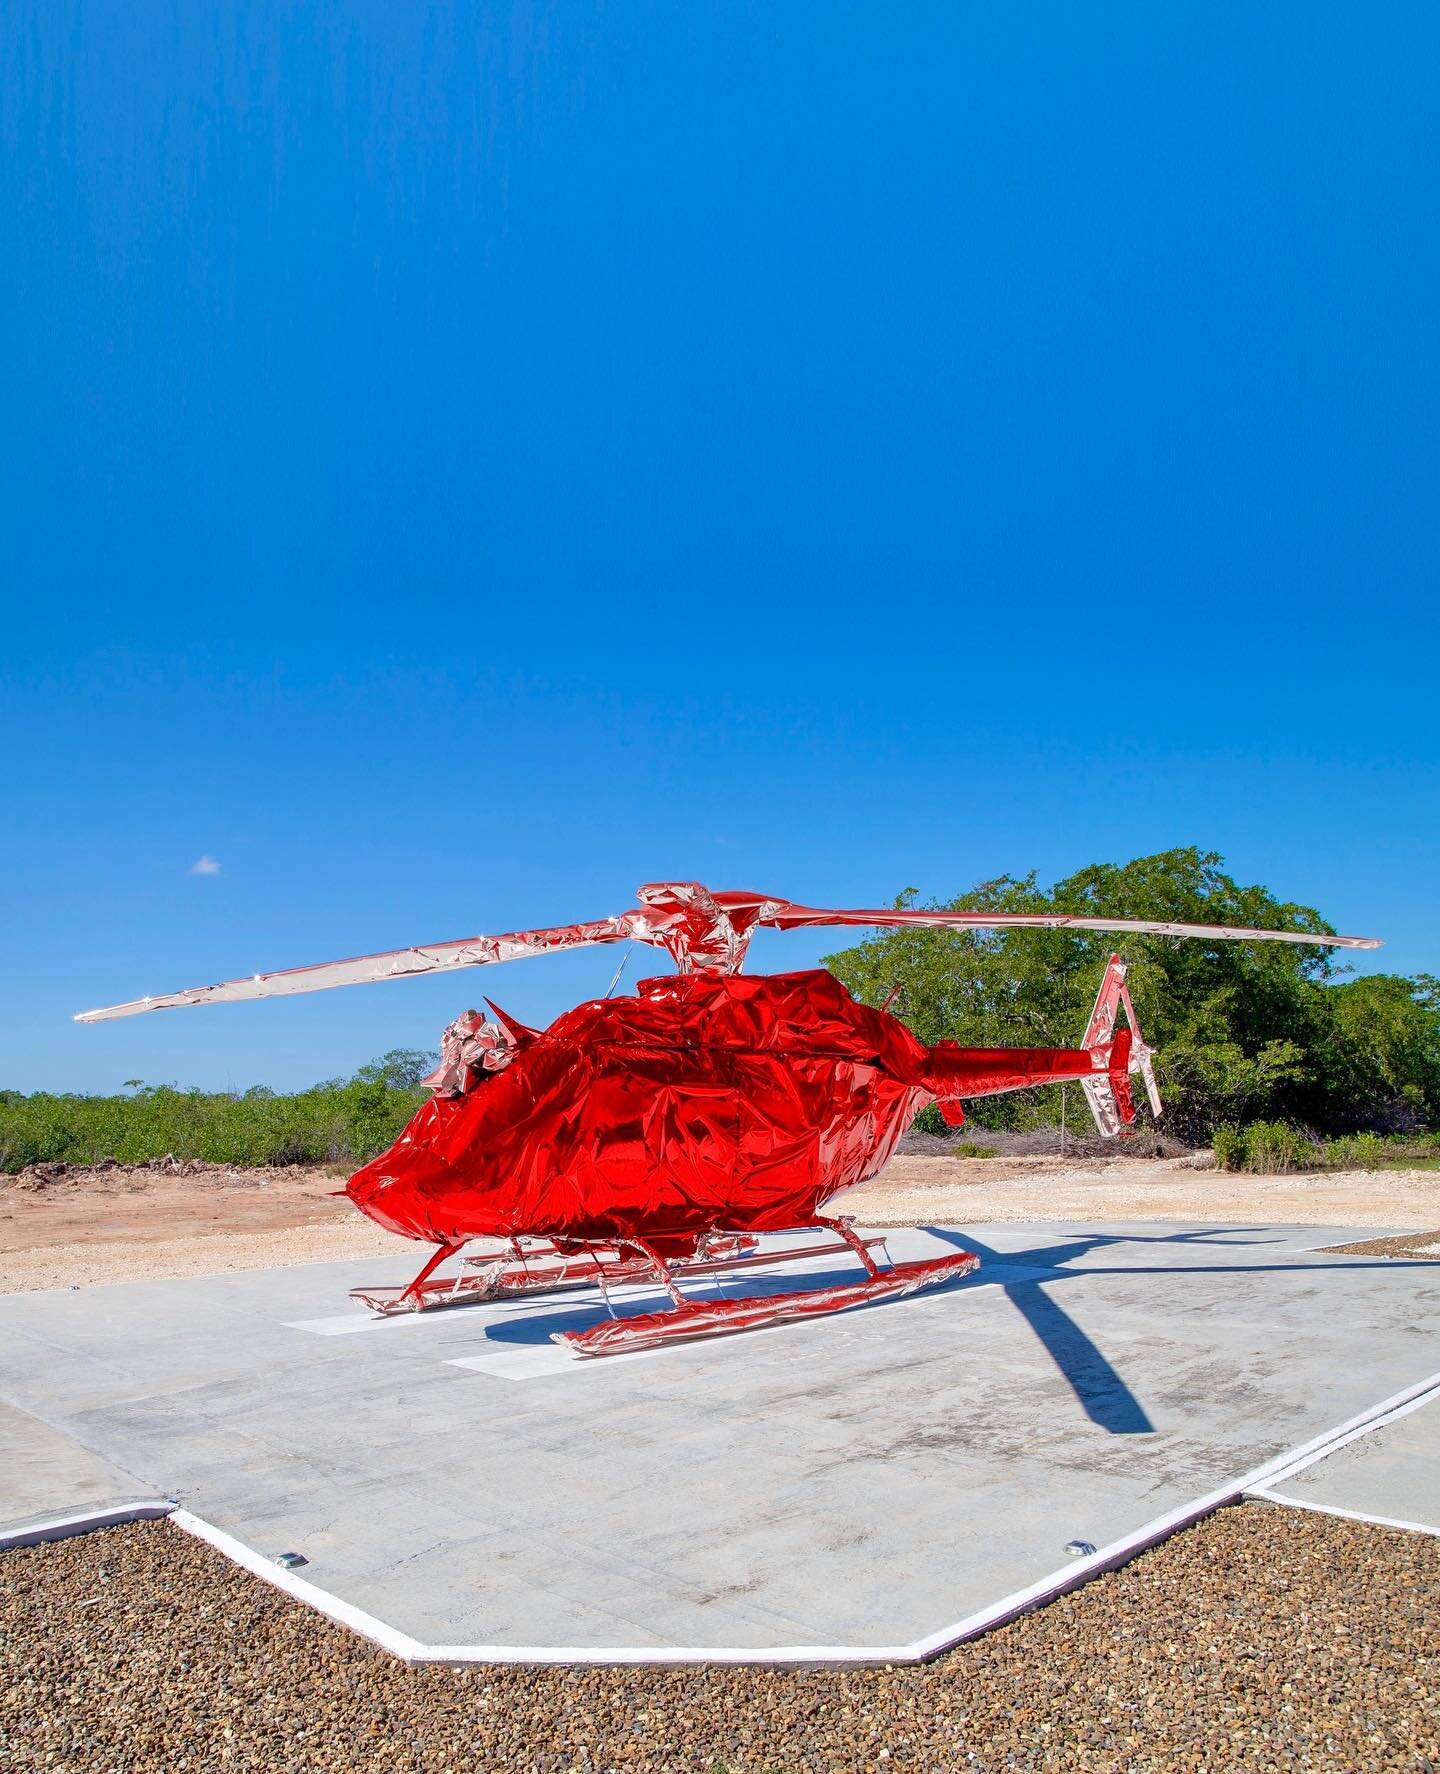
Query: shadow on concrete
{"x": 537, "y": 1324}
{"x": 1098, "y": 1387}
{"x": 1103, "y": 1395}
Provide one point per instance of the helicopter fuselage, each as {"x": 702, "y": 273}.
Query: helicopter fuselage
{"x": 706, "y": 1102}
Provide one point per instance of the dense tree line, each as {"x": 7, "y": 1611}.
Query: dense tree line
{"x": 1243, "y": 1030}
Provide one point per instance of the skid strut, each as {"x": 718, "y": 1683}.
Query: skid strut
{"x": 689, "y": 1319}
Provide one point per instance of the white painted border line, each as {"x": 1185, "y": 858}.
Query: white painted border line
{"x": 1023, "y": 1601}
{"x": 343, "y": 1613}
{"x": 1413, "y": 1399}
{"x": 1121, "y": 1551}
{"x": 62, "y": 1527}
{"x": 1379, "y": 1521}
{"x": 1010, "y": 1607}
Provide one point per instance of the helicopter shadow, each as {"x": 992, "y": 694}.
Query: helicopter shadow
{"x": 1100, "y": 1390}
{"x": 1102, "y": 1394}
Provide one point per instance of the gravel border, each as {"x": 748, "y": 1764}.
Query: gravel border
{"x": 1260, "y": 1639}
{"x": 1419, "y": 1246}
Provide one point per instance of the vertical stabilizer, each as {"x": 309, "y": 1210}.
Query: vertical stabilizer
{"x": 1115, "y": 1052}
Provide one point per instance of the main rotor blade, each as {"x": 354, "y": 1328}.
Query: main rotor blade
{"x": 468, "y": 951}
{"x": 655, "y": 921}
{"x": 799, "y": 917}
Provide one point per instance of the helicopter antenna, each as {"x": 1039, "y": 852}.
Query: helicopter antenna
{"x": 624, "y": 962}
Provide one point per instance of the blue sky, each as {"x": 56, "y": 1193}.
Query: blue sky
{"x": 459, "y": 466}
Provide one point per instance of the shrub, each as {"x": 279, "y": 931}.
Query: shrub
{"x": 1266, "y": 1147}
{"x": 1228, "y": 1145}
{"x": 1273, "y": 1147}
{"x": 336, "y": 1122}
{"x": 1358, "y": 1151}
{"x": 930, "y": 1120}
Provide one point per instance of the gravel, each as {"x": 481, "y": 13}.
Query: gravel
{"x": 1260, "y": 1639}
{"x": 1410, "y": 1244}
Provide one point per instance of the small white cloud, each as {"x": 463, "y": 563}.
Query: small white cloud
{"x": 207, "y": 865}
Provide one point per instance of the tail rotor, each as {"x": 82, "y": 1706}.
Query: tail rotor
{"x": 1116, "y": 1053}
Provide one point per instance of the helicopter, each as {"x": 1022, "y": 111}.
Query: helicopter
{"x": 664, "y": 1136}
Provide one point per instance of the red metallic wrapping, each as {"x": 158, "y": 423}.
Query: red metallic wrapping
{"x": 707, "y": 1102}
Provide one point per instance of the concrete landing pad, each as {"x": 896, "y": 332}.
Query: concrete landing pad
{"x": 859, "y": 1481}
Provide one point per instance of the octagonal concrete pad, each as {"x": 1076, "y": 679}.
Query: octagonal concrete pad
{"x": 852, "y": 1482}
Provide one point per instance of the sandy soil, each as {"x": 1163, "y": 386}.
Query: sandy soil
{"x": 79, "y": 1228}
{"x": 82, "y": 1227}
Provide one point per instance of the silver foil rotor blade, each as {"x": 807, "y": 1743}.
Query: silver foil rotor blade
{"x": 797, "y": 917}
{"x": 363, "y": 970}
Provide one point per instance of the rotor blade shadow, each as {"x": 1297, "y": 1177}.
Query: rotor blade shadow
{"x": 1102, "y": 1394}
{"x": 1083, "y": 1244}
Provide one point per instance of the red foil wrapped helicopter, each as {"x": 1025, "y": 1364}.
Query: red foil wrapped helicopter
{"x": 658, "y": 1137}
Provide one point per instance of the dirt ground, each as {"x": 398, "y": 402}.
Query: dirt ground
{"x": 79, "y": 1227}
{"x": 969, "y": 1191}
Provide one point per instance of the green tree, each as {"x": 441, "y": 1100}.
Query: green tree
{"x": 403, "y": 1068}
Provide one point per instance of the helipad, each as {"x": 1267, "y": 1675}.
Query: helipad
{"x": 856, "y": 1485}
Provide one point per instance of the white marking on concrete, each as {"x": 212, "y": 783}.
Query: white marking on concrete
{"x": 390, "y": 1638}
{"x": 61, "y": 1527}
{"x": 506, "y": 1305}
{"x": 347, "y": 1324}
{"x": 539, "y": 1361}
{"x": 1379, "y": 1521}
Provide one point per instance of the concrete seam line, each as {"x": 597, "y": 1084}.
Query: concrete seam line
{"x": 1415, "y": 1398}
{"x": 62, "y": 1527}
{"x": 1379, "y": 1521}
{"x": 344, "y": 1613}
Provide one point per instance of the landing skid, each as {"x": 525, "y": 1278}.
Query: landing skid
{"x": 690, "y": 1319}
{"x": 534, "y": 1266}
